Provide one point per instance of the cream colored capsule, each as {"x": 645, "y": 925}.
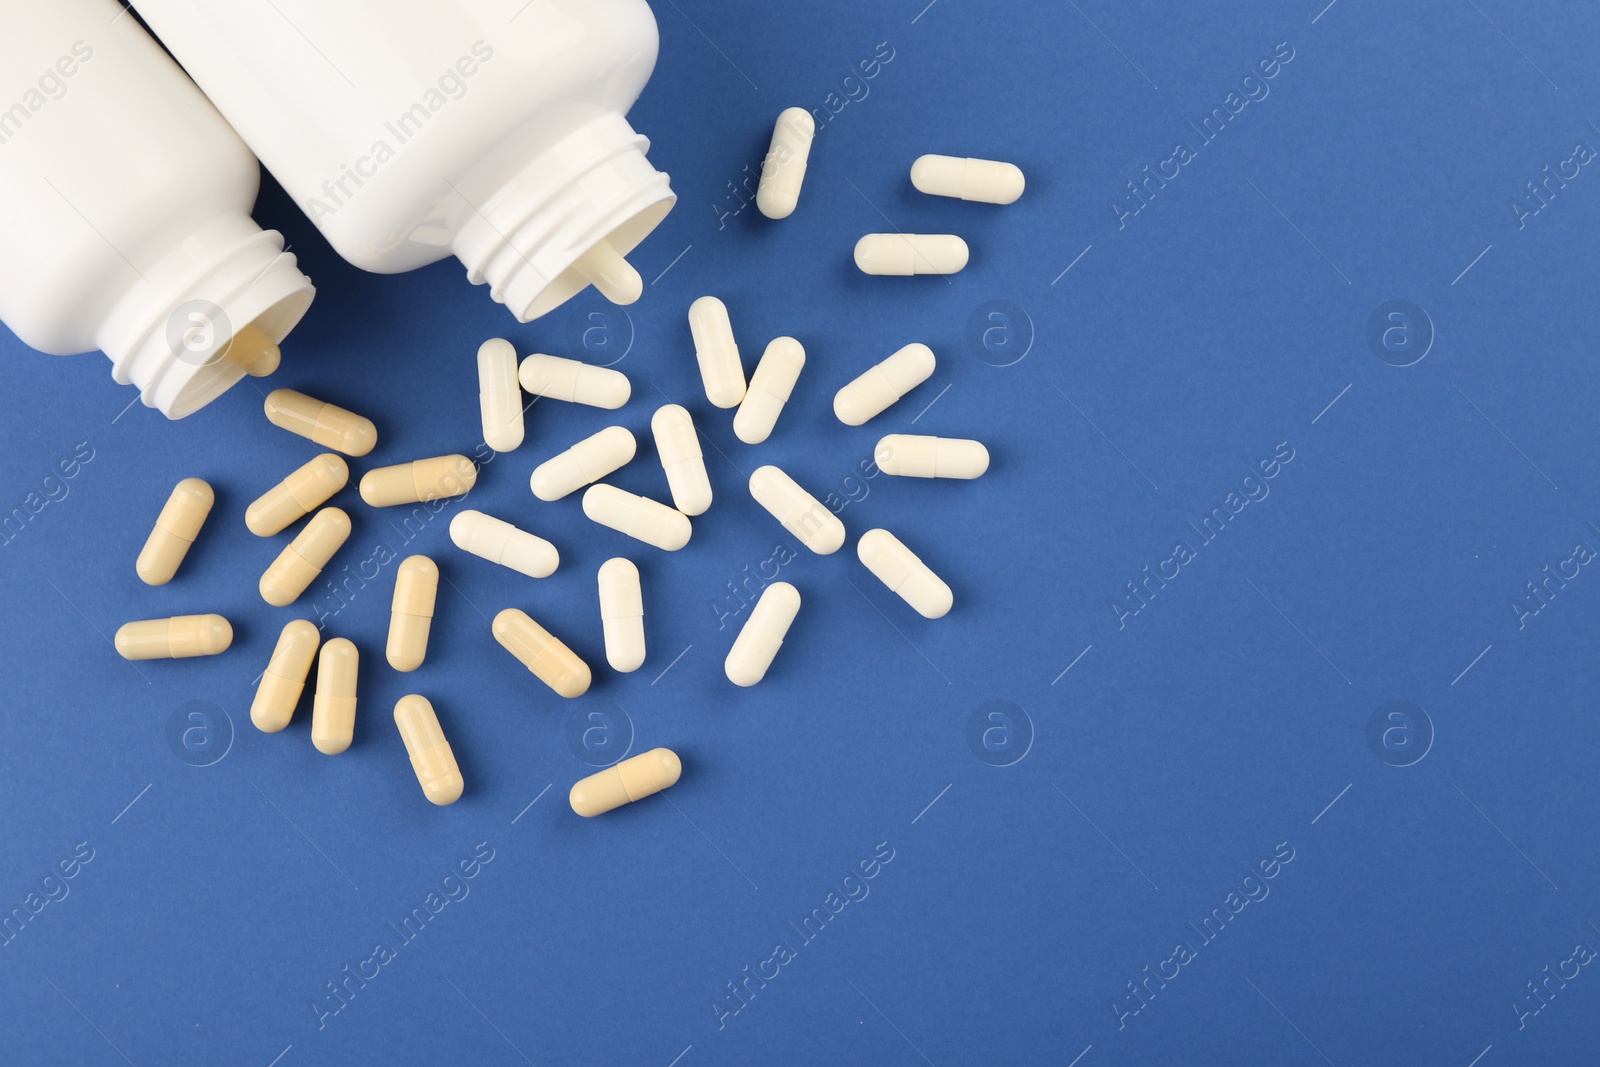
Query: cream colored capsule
{"x": 913, "y": 456}
{"x": 419, "y": 480}
{"x": 555, "y": 378}
{"x": 176, "y": 528}
{"x": 770, "y": 387}
{"x": 637, "y": 517}
{"x": 784, "y": 169}
{"x": 253, "y": 352}
{"x": 721, "y": 371}
{"x": 499, "y": 395}
{"x": 333, "y": 709}
{"x": 179, "y": 637}
{"x": 284, "y": 680}
{"x": 984, "y": 181}
{"x": 881, "y": 384}
{"x": 622, "y": 614}
{"x": 431, "y": 758}
{"x": 323, "y": 423}
{"x": 552, "y": 662}
{"x": 762, "y": 634}
{"x": 584, "y": 463}
{"x": 678, "y": 445}
{"x": 302, "y": 559}
{"x": 902, "y": 254}
{"x": 632, "y": 779}
{"x": 605, "y": 268}
{"x": 897, "y": 567}
{"x": 416, "y": 589}
{"x": 500, "y": 542}
{"x": 305, "y": 490}
{"x": 800, "y": 513}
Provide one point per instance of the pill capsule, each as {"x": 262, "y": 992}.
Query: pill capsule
{"x": 419, "y": 480}
{"x": 632, "y": 779}
{"x": 284, "y": 680}
{"x": 603, "y": 267}
{"x": 770, "y": 387}
{"x": 431, "y": 758}
{"x": 622, "y": 614}
{"x": 897, "y": 567}
{"x": 784, "y": 169}
{"x": 637, "y": 517}
{"x": 176, "y": 528}
{"x": 302, "y": 559}
{"x": 499, "y": 395}
{"x": 305, "y": 490}
{"x": 555, "y": 378}
{"x": 176, "y": 638}
{"x": 721, "y": 371}
{"x": 912, "y": 456}
{"x": 323, "y": 423}
{"x": 800, "y": 513}
{"x": 253, "y": 352}
{"x": 500, "y": 542}
{"x": 882, "y": 384}
{"x": 902, "y": 254}
{"x": 333, "y": 709}
{"x": 584, "y": 463}
{"x": 984, "y": 181}
{"x": 552, "y": 662}
{"x": 762, "y": 634}
{"x": 416, "y": 588}
{"x": 678, "y": 445}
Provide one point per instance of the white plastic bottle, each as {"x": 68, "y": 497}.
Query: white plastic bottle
{"x": 126, "y": 222}
{"x": 491, "y": 129}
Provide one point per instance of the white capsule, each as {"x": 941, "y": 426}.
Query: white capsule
{"x": 555, "y": 378}
{"x": 500, "y": 542}
{"x": 685, "y": 465}
{"x": 897, "y": 567}
{"x": 762, "y": 635}
{"x": 884, "y": 383}
{"x": 902, "y": 254}
{"x": 912, "y": 456}
{"x": 984, "y": 181}
{"x": 801, "y": 513}
{"x": 637, "y": 517}
{"x": 770, "y": 387}
{"x": 784, "y": 169}
{"x": 721, "y": 371}
{"x": 499, "y": 396}
{"x": 584, "y": 463}
{"x": 605, "y": 268}
{"x": 622, "y": 614}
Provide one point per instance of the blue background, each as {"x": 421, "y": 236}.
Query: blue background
{"x": 1227, "y": 720}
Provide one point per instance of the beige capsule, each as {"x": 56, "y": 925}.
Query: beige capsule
{"x": 253, "y": 352}
{"x": 416, "y": 588}
{"x": 431, "y": 757}
{"x": 633, "y": 779}
{"x": 179, "y": 637}
{"x": 175, "y": 531}
{"x": 302, "y": 559}
{"x": 552, "y": 662}
{"x": 420, "y": 480}
{"x": 305, "y": 490}
{"x": 333, "y": 709}
{"x": 284, "y": 680}
{"x": 321, "y": 422}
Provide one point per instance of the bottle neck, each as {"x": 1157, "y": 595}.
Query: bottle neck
{"x": 168, "y": 333}
{"x": 593, "y": 185}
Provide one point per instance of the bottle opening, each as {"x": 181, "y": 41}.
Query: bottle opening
{"x": 567, "y": 220}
